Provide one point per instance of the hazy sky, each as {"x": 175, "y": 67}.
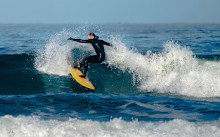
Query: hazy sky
{"x": 109, "y": 11}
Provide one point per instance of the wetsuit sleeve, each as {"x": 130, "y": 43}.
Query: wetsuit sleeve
{"x": 81, "y": 41}
{"x": 106, "y": 43}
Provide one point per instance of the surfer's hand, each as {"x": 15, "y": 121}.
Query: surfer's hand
{"x": 113, "y": 47}
{"x": 70, "y": 39}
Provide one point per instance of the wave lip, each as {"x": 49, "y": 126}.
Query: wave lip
{"x": 33, "y": 126}
{"x": 174, "y": 70}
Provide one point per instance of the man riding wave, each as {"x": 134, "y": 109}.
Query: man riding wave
{"x": 98, "y": 46}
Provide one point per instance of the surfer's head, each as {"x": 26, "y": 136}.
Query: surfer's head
{"x": 92, "y": 36}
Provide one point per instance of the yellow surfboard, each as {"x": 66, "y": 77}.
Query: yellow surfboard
{"x": 83, "y": 81}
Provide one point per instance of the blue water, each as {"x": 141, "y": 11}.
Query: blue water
{"x": 158, "y": 80}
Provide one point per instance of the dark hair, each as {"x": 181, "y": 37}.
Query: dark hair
{"x": 93, "y": 34}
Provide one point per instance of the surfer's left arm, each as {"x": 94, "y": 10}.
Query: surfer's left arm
{"x": 79, "y": 40}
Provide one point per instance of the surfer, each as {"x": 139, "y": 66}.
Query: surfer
{"x": 98, "y": 46}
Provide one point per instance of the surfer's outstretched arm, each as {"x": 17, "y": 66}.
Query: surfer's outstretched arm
{"x": 79, "y": 40}
{"x": 106, "y": 43}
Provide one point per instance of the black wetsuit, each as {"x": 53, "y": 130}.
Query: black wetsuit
{"x": 98, "y": 45}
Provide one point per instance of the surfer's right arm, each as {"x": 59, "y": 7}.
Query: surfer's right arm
{"x": 79, "y": 40}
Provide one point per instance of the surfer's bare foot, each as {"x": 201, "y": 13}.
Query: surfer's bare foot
{"x": 82, "y": 76}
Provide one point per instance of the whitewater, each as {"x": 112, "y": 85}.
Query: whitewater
{"x": 33, "y": 126}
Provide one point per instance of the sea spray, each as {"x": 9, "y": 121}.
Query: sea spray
{"x": 57, "y": 54}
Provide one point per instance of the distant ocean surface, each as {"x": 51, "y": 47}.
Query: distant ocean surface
{"x": 157, "y": 80}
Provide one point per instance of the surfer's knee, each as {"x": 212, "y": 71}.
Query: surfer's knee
{"x": 101, "y": 59}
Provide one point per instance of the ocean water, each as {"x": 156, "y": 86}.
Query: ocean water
{"x": 157, "y": 80}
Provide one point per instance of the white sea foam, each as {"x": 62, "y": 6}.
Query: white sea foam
{"x": 174, "y": 70}
{"x": 24, "y": 126}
